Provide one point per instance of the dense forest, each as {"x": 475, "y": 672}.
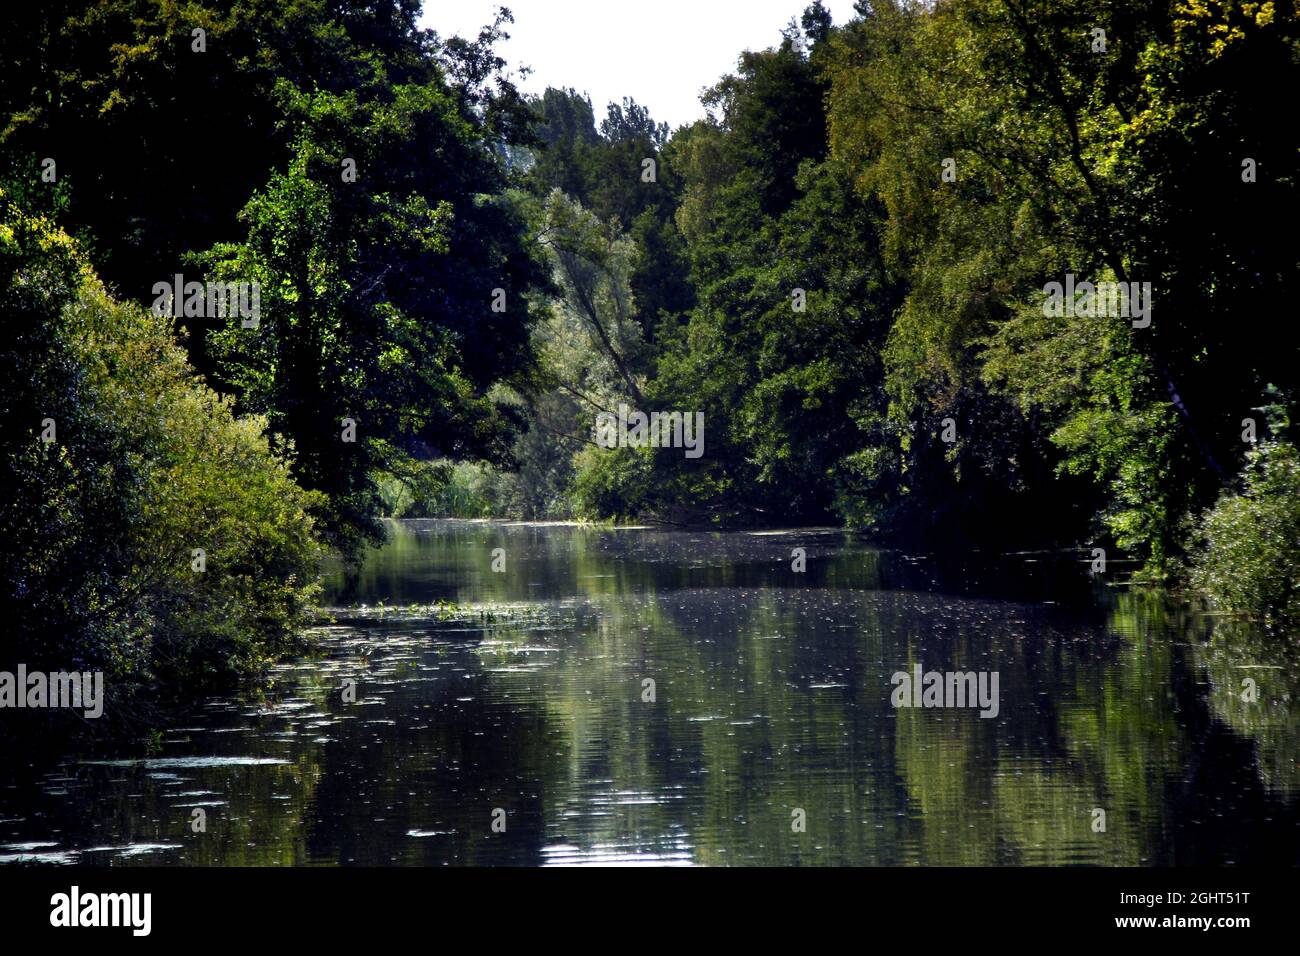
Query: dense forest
{"x": 990, "y": 274}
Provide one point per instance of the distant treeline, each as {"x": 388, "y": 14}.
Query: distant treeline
{"x": 845, "y": 268}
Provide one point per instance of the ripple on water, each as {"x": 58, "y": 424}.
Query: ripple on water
{"x": 162, "y": 763}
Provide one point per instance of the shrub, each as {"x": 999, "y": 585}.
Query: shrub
{"x": 99, "y": 526}
{"x": 1248, "y": 554}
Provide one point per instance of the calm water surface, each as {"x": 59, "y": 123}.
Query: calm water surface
{"x": 771, "y": 695}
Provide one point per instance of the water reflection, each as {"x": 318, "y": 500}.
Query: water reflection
{"x": 771, "y": 696}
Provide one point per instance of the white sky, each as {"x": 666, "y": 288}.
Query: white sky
{"x": 659, "y": 52}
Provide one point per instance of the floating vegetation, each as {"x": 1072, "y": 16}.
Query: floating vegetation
{"x": 442, "y": 611}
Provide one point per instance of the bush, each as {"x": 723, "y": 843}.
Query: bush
{"x": 99, "y": 526}
{"x": 441, "y": 489}
{"x": 1248, "y": 554}
{"x": 613, "y": 483}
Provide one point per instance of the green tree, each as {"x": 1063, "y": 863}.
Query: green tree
{"x": 394, "y": 301}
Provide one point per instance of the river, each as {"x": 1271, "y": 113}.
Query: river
{"x": 638, "y": 696}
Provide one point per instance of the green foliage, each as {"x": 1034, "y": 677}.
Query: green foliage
{"x": 98, "y": 530}
{"x": 762, "y": 215}
{"x": 921, "y": 173}
{"x": 377, "y": 294}
{"x": 1065, "y": 161}
{"x": 442, "y": 489}
{"x": 1089, "y": 381}
{"x": 614, "y": 483}
{"x": 137, "y": 120}
{"x": 1248, "y": 555}
{"x": 603, "y": 170}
